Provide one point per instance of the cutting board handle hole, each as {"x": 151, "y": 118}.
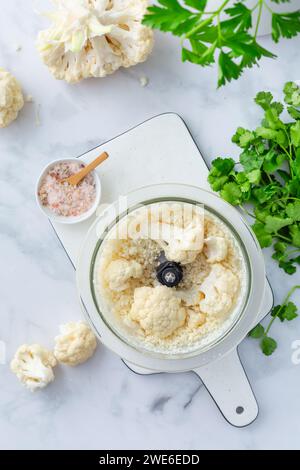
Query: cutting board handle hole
{"x": 239, "y": 410}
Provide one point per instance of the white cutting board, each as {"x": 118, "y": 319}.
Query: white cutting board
{"x": 160, "y": 150}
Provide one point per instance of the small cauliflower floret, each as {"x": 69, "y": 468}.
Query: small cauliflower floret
{"x": 75, "y": 344}
{"x": 120, "y": 271}
{"x": 219, "y": 289}
{"x": 94, "y": 38}
{"x": 195, "y": 319}
{"x": 11, "y": 98}
{"x": 215, "y": 249}
{"x": 33, "y": 364}
{"x": 185, "y": 244}
{"x": 158, "y": 310}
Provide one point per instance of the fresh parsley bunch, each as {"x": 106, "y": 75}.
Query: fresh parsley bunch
{"x": 267, "y": 177}
{"x": 231, "y": 42}
{"x": 287, "y": 311}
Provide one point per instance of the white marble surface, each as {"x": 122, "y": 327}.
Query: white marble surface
{"x": 102, "y": 404}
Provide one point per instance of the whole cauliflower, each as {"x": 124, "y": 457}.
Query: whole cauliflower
{"x": 75, "y": 344}
{"x": 33, "y": 364}
{"x": 11, "y": 98}
{"x": 94, "y": 38}
{"x": 119, "y": 272}
{"x": 158, "y": 310}
{"x": 215, "y": 249}
{"x": 218, "y": 290}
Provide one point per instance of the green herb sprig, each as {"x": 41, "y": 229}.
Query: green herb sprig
{"x": 266, "y": 181}
{"x": 231, "y": 42}
{"x": 287, "y": 311}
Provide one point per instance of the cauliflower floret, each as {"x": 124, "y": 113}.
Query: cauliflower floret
{"x": 215, "y": 249}
{"x": 179, "y": 232}
{"x": 120, "y": 271}
{"x": 185, "y": 244}
{"x": 33, "y": 364}
{"x": 11, "y": 98}
{"x": 75, "y": 344}
{"x": 219, "y": 289}
{"x": 94, "y": 38}
{"x": 158, "y": 310}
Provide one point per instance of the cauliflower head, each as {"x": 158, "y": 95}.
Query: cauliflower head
{"x": 33, "y": 364}
{"x": 218, "y": 291}
{"x": 120, "y": 271}
{"x": 11, "y": 98}
{"x": 75, "y": 344}
{"x": 158, "y": 310}
{"x": 94, "y": 38}
{"x": 215, "y": 249}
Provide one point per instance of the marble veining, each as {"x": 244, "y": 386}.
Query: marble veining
{"x": 102, "y": 404}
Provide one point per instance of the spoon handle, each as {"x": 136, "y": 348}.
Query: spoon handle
{"x": 75, "y": 179}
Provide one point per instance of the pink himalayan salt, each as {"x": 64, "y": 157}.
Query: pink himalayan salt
{"x": 62, "y": 198}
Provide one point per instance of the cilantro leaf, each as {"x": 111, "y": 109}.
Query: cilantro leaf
{"x": 284, "y": 312}
{"x": 243, "y": 137}
{"x": 171, "y": 16}
{"x": 264, "y": 238}
{"x": 293, "y": 211}
{"x": 295, "y": 234}
{"x": 219, "y": 173}
{"x": 251, "y": 160}
{"x": 292, "y": 93}
{"x": 270, "y": 134}
{"x": 264, "y": 99}
{"x": 273, "y": 161}
{"x": 241, "y": 17}
{"x": 275, "y": 223}
{"x": 232, "y": 193}
{"x": 286, "y": 25}
{"x": 228, "y": 69}
{"x": 197, "y": 4}
{"x": 293, "y": 112}
{"x": 268, "y": 346}
{"x": 257, "y": 332}
{"x": 295, "y": 134}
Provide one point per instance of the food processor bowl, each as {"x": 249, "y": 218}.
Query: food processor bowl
{"x": 99, "y": 318}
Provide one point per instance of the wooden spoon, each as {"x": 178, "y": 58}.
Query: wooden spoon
{"x": 75, "y": 179}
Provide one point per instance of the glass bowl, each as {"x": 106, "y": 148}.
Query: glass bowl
{"x": 98, "y": 315}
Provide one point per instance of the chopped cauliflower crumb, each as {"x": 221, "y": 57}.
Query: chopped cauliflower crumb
{"x": 33, "y": 364}
{"x": 75, "y": 344}
{"x": 158, "y": 310}
{"x": 144, "y": 81}
{"x": 94, "y": 38}
{"x": 11, "y": 98}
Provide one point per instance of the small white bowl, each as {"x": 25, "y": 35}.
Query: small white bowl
{"x": 68, "y": 219}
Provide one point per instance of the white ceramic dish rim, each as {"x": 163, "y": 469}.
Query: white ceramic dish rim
{"x": 62, "y": 219}
{"x": 240, "y": 328}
